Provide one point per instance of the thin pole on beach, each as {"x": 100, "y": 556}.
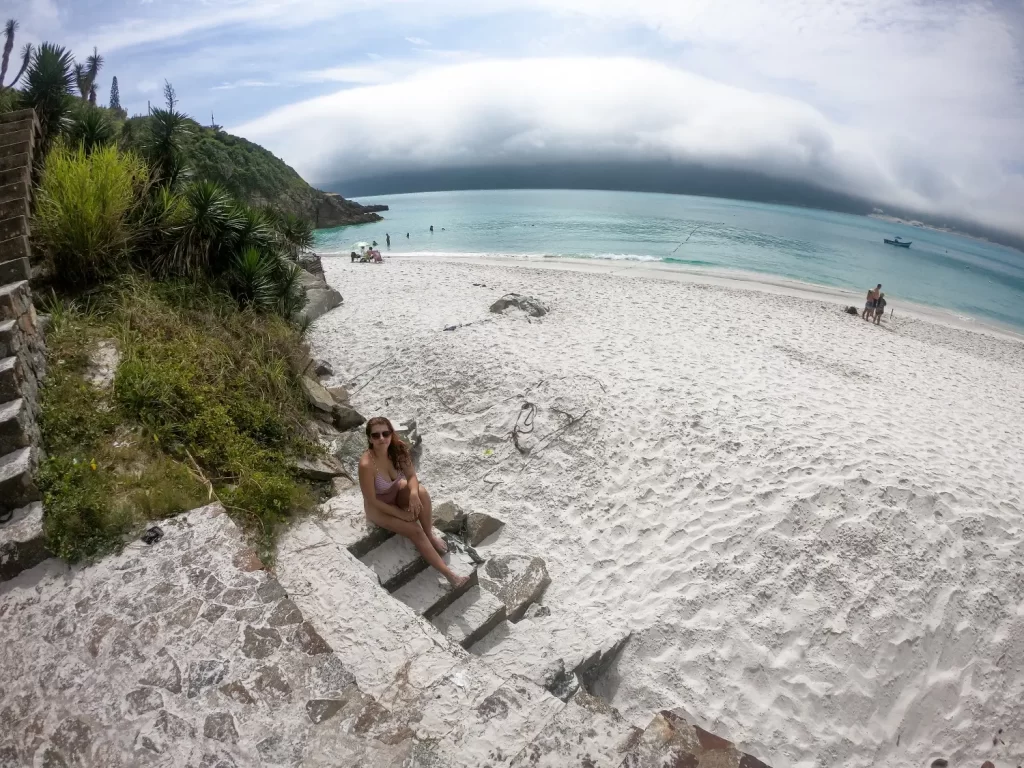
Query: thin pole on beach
{"x": 686, "y": 240}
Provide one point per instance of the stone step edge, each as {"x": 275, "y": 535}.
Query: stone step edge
{"x": 22, "y": 542}
{"x": 453, "y": 611}
{"x": 446, "y": 597}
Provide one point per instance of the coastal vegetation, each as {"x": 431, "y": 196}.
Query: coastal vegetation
{"x": 169, "y": 273}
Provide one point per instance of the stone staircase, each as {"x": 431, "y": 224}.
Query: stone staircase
{"x": 22, "y": 357}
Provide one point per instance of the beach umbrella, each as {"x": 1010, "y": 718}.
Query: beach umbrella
{"x": 362, "y": 245}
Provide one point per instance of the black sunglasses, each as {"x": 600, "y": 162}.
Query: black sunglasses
{"x": 380, "y": 435}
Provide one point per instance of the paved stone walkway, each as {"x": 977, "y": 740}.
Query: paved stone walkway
{"x": 179, "y": 654}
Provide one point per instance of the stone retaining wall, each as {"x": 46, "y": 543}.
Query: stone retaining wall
{"x": 22, "y": 352}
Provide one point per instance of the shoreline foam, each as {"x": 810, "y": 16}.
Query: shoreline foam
{"x": 811, "y": 524}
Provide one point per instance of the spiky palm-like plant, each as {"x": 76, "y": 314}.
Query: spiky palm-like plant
{"x": 291, "y": 296}
{"x": 297, "y": 234}
{"x": 208, "y": 231}
{"x": 90, "y": 127}
{"x": 252, "y": 278}
{"x": 26, "y": 55}
{"x": 48, "y": 87}
{"x": 166, "y": 131}
{"x": 255, "y": 230}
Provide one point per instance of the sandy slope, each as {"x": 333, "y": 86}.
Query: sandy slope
{"x": 813, "y": 525}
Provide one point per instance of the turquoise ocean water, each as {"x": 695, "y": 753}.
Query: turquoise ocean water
{"x": 971, "y": 277}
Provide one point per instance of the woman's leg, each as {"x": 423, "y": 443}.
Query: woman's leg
{"x": 413, "y": 531}
{"x": 427, "y": 521}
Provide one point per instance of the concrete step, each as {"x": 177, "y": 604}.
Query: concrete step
{"x": 470, "y": 617}
{"x": 16, "y": 426}
{"x": 344, "y": 521}
{"x": 18, "y": 126}
{"x": 18, "y": 174}
{"x": 16, "y": 207}
{"x": 395, "y": 561}
{"x": 15, "y": 268}
{"x": 429, "y": 593}
{"x": 17, "y": 484}
{"x": 13, "y": 226}
{"x": 586, "y": 732}
{"x": 18, "y": 115}
{"x": 21, "y": 160}
{"x": 14, "y": 192}
{"x": 10, "y": 379}
{"x": 22, "y": 544}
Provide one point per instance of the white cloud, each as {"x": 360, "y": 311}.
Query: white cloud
{"x": 419, "y": 41}
{"x": 356, "y": 74}
{"x": 503, "y": 111}
{"x": 243, "y": 84}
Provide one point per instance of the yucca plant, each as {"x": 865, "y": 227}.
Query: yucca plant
{"x": 85, "y": 216}
{"x": 90, "y": 127}
{"x": 208, "y": 232}
{"x": 255, "y": 229}
{"x": 48, "y": 87}
{"x": 297, "y": 234}
{"x": 167, "y": 129}
{"x": 291, "y": 295}
{"x": 252, "y": 278}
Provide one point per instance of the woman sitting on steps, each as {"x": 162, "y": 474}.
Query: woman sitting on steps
{"x": 393, "y": 497}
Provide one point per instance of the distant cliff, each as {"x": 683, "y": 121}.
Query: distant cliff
{"x": 255, "y": 175}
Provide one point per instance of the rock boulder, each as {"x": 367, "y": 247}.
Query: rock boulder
{"x": 449, "y": 517}
{"x": 320, "y": 297}
{"x": 321, "y": 469}
{"x": 317, "y": 396}
{"x": 479, "y": 526}
{"x": 528, "y": 304}
{"x": 345, "y": 418}
{"x": 516, "y": 580}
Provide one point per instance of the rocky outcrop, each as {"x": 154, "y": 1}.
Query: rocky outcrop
{"x": 320, "y": 297}
{"x": 342, "y": 416}
{"x": 531, "y": 306}
{"x": 333, "y": 210}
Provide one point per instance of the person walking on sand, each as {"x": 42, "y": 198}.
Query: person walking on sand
{"x": 869, "y": 304}
{"x": 879, "y": 308}
{"x": 387, "y": 239}
{"x": 393, "y": 497}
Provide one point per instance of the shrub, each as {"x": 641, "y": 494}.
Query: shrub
{"x": 91, "y": 128}
{"x": 84, "y": 213}
{"x": 204, "y": 401}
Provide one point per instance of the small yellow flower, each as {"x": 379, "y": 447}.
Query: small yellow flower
{"x": 93, "y": 465}
{"x": 488, "y": 452}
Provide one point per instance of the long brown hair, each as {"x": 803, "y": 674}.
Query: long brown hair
{"x": 398, "y": 451}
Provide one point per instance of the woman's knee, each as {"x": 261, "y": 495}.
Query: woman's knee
{"x": 424, "y": 493}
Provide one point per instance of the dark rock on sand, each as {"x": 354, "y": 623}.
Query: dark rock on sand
{"x": 528, "y": 304}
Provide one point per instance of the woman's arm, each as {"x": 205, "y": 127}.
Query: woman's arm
{"x": 370, "y": 500}
{"x": 415, "y": 505}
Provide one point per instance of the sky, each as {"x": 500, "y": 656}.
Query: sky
{"x": 906, "y": 103}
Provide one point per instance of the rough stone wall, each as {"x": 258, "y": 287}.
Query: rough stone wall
{"x": 22, "y": 354}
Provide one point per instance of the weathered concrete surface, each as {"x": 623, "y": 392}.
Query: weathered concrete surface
{"x": 470, "y": 617}
{"x": 22, "y": 545}
{"x": 553, "y": 650}
{"x": 179, "y": 654}
{"x": 586, "y": 732}
{"x": 395, "y": 562}
{"x": 671, "y": 740}
{"x": 375, "y": 636}
{"x": 429, "y": 593}
{"x": 517, "y": 580}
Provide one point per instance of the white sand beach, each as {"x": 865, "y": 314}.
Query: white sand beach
{"x": 813, "y": 526}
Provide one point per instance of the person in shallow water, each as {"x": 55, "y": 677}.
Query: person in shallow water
{"x": 387, "y": 237}
{"x": 393, "y": 497}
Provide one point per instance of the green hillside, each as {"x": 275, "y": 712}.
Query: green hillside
{"x": 253, "y": 174}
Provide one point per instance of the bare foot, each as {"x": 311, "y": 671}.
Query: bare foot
{"x": 439, "y": 545}
{"x": 457, "y": 581}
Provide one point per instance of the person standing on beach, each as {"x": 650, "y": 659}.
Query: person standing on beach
{"x": 879, "y": 308}
{"x": 387, "y": 238}
{"x": 431, "y": 229}
{"x": 869, "y": 304}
